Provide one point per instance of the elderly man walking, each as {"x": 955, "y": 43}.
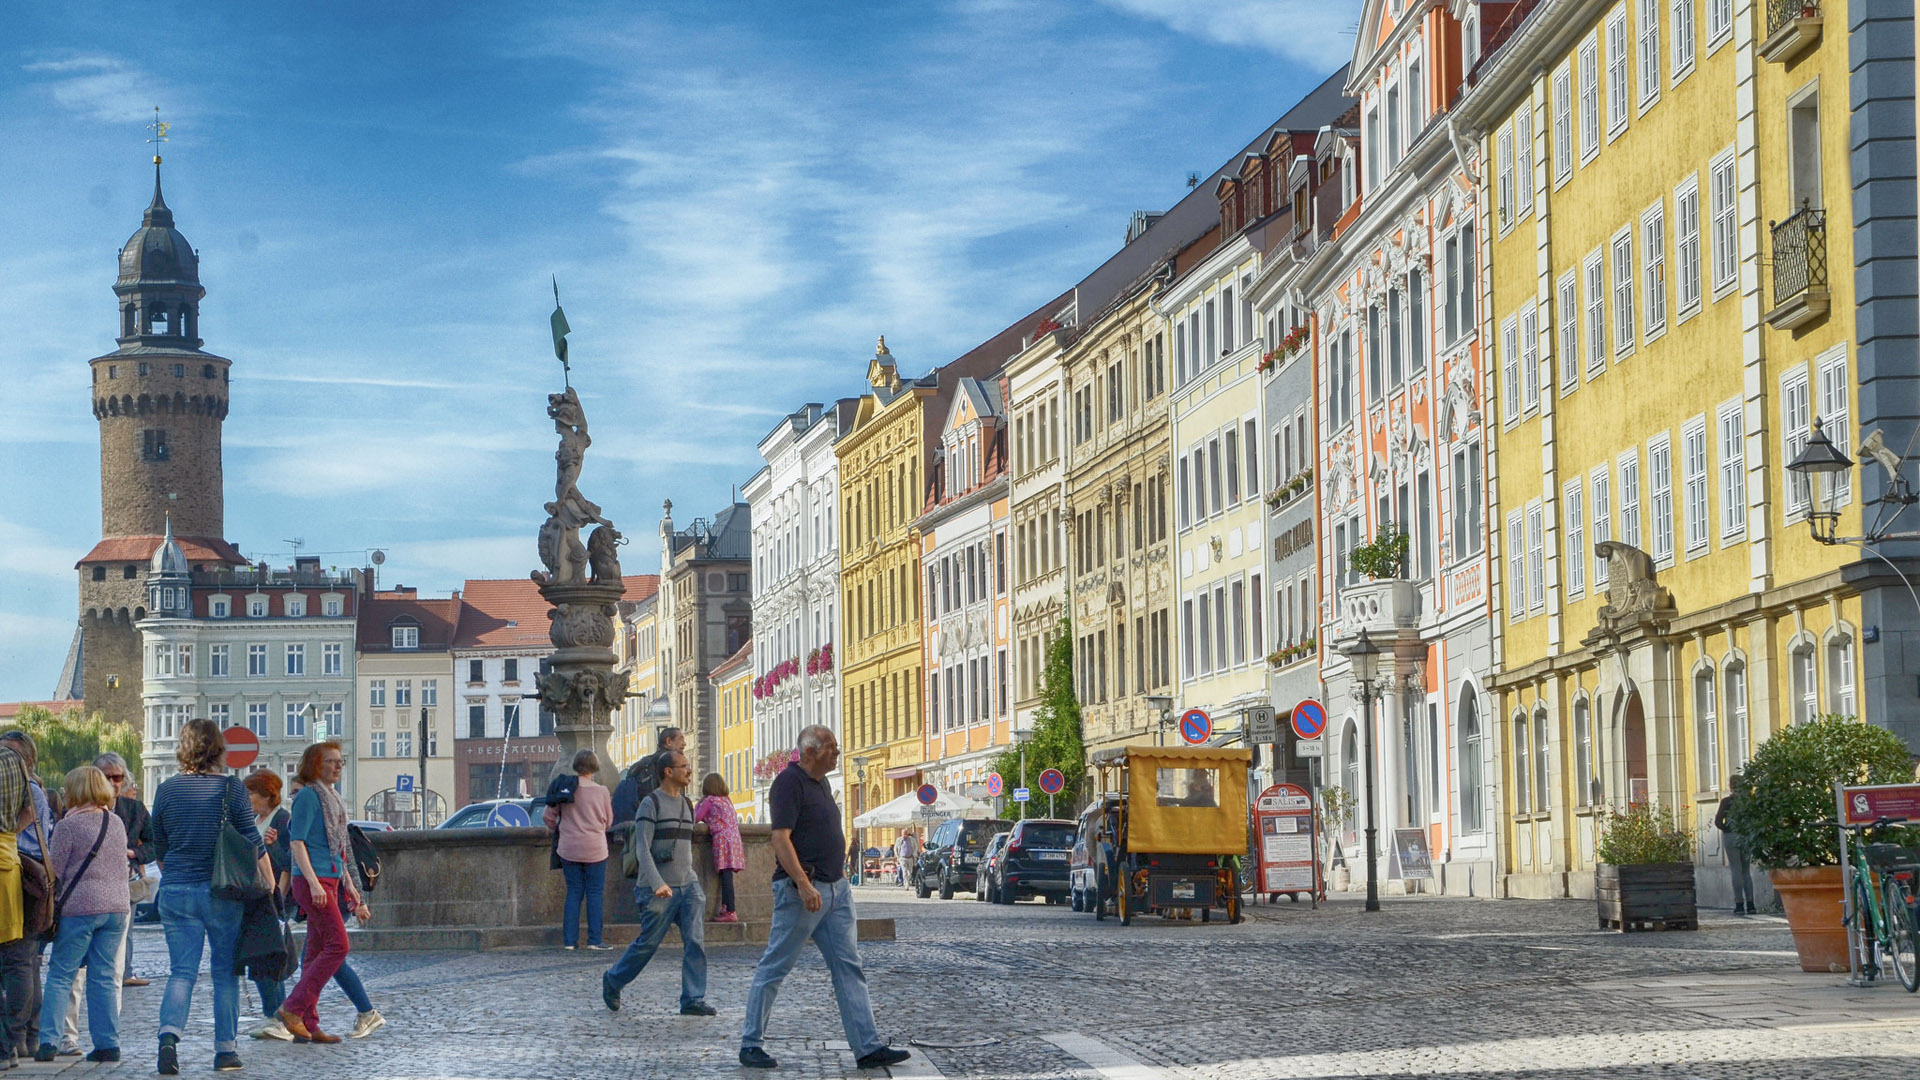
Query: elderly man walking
{"x": 668, "y": 891}
{"x": 812, "y": 900}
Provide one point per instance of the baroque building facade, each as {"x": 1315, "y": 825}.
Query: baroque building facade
{"x": 706, "y": 578}
{"x": 403, "y": 666}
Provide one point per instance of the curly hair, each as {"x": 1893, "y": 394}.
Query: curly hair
{"x": 266, "y": 784}
{"x": 201, "y": 748}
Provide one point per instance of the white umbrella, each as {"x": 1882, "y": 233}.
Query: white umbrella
{"x": 906, "y": 810}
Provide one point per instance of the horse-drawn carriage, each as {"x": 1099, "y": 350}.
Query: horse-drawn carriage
{"x": 1174, "y": 837}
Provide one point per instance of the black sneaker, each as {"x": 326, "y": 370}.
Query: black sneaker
{"x": 698, "y": 1008}
{"x": 111, "y": 1053}
{"x": 169, "y": 1055}
{"x": 881, "y": 1058}
{"x": 45, "y": 1052}
{"x": 609, "y": 995}
{"x": 226, "y": 1061}
{"x": 753, "y": 1057}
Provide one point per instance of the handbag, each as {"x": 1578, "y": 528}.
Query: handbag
{"x": 236, "y": 866}
{"x": 37, "y": 882}
{"x": 60, "y": 900}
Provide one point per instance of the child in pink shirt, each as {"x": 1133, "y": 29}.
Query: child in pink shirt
{"x": 729, "y": 854}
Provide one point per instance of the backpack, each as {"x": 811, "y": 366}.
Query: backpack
{"x": 365, "y": 859}
{"x": 628, "y": 833}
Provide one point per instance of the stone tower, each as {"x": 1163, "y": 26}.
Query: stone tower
{"x": 160, "y": 402}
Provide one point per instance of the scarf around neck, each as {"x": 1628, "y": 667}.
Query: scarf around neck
{"x": 334, "y": 813}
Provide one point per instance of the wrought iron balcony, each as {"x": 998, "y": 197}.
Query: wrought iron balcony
{"x": 1799, "y": 269}
{"x": 1793, "y": 27}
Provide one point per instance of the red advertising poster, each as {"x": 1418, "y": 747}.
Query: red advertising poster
{"x": 1283, "y": 820}
{"x": 1873, "y": 802}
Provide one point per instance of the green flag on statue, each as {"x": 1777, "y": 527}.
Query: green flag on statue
{"x": 560, "y": 327}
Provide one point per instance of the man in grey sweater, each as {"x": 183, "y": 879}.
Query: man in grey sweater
{"x": 668, "y": 891}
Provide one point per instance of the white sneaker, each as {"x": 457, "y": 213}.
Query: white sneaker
{"x": 366, "y": 1024}
{"x": 275, "y": 1030}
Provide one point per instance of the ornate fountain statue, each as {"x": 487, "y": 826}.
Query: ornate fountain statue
{"x": 583, "y": 583}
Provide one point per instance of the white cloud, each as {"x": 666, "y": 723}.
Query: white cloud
{"x": 102, "y": 88}
{"x": 1315, "y": 32}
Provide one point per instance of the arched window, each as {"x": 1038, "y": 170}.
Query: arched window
{"x": 1806, "y": 684}
{"x": 1521, "y": 761}
{"x": 1350, "y": 768}
{"x": 1584, "y": 789}
{"x": 1542, "y": 801}
{"x": 1471, "y": 820}
{"x": 1840, "y": 697}
{"x": 1706, "y": 731}
{"x": 1736, "y": 723}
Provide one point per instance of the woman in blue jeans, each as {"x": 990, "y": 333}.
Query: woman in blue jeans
{"x": 87, "y": 852}
{"x": 188, "y": 813}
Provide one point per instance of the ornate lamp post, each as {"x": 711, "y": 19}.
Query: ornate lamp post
{"x": 1365, "y": 657}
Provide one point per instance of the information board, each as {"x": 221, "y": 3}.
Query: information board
{"x": 1869, "y": 803}
{"x": 1284, "y": 841}
{"x": 1412, "y": 860}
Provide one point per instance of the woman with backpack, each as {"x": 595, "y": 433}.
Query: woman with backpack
{"x": 580, "y": 827}
{"x": 729, "y": 853}
{"x": 94, "y": 906}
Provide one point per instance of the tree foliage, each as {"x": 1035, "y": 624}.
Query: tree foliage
{"x": 1056, "y": 742}
{"x": 70, "y": 739}
{"x": 1787, "y": 789}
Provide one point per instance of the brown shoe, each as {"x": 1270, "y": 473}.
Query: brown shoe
{"x": 319, "y": 1036}
{"x": 136, "y": 982}
{"x": 294, "y": 1024}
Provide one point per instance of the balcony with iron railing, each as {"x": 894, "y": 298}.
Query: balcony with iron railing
{"x": 1793, "y": 27}
{"x": 1799, "y": 269}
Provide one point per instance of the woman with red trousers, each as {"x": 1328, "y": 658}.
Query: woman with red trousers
{"x": 322, "y": 886}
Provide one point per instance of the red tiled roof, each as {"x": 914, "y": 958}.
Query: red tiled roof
{"x": 504, "y": 613}
{"x": 435, "y": 617}
{"x": 11, "y": 709}
{"x": 726, "y": 667}
{"x": 198, "y": 549}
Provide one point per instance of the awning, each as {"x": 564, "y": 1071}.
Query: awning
{"x": 903, "y": 772}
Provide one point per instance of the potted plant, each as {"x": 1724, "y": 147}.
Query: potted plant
{"x": 1643, "y": 875}
{"x": 1786, "y": 790}
{"x": 1384, "y": 557}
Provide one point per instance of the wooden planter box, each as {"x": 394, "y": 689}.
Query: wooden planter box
{"x": 1646, "y": 896}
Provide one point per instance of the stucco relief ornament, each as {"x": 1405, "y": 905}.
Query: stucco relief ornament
{"x": 1461, "y": 416}
{"x": 1634, "y": 594}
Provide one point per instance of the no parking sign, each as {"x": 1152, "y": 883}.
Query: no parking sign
{"x": 1196, "y": 726}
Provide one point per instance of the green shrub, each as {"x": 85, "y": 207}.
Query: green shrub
{"x": 1788, "y": 787}
{"x": 1384, "y": 557}
{"x": 1644, "y": 832}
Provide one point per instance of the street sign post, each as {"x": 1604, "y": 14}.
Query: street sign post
{"x": 927, "y": 794}
{"x": 1196, "y": 726}
{"x": 1053, "y": 782}
{"x": 1310, "y": 748}
{"x": 995, "y": 785}
{"x": 508, "y": 815}
{"x": 243, "y": 746}
{"x": 1021, "y": 794}
{"x": 403, "y": 784}
{"x": 1261, "y": 727}
{"x": 1309, "y": 719}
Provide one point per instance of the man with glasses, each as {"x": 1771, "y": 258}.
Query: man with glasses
{"x": 133, "y": 814}
{"x": 668, "y": 891}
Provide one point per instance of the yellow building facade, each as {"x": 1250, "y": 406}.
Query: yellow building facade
{"x": 636, "y": 649}
{"x": 1659, "y": 606}
{"x": 733, "y": 688}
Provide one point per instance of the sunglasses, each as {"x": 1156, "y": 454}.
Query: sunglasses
{"x": 117, "y": 777}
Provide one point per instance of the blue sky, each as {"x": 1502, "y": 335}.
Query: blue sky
{"x": 737, "y": 198}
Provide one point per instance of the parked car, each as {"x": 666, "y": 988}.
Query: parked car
{"x": 1034, "y": 862}
{"x": 373, "y": 826}
{"x": 476, "y": 815}
{"x": 951, "y": 860}
{"x": 989, "y": 862}
{"x": 1090, "y": 862}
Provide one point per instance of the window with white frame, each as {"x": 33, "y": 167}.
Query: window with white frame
{"x": 1506, "y": 194}
{"x": 429, "y": 692}
{"x": 1719, "y": 22}
{"x": 1542, "y": 759}
{"x": 1536, "y": 557}
{"x": 1516, "y": 567}
{"x": 1510, "y": 365}
{"x": 332, "y": 659}
{"x": 296, "y": 720}
{"x": 219, "y": 661}
{"x": 1682, "y": 30}
{"x": 1649, "y": 25}
{"x": 257, "y": 718}
{"x": 1736, "y": 723}
{"x": 1619, "y": 75}
{"x": 1576, "y": 531}
{"x": 296, "y": 606}
{"x": 1726, "y": 235}
{"x": 183, "y": 659}
{"x": 1653, "y": 250}
{"x": 218, "y": 607}
{"x": 402, "y": 692}
{"x": 296, "y": 659}
{"x": 1602, "y": 518}
{"x": 376, "y": 744}
{"x": 331, "y": 606}
{"x": 1660, "y": 502}
{"x": 1523, "y": 150}
{"x": 1566, "y": 314}
{"x": 1733, "y": 471}
{"x": 1624, "y": 327}
{"x": 1686, "y": 240}
{"x": 1522, "y": 762}
{"x": 1806, "y": 684}
{"x": 1836, "y": 396}
{"x": 257, "y": 607}
{"x": 1596, "y": 273}
{"x": 1467, "y": 536}
{"x": 1840, "y": 676}
{"x": 1693, "y": 473}
{"x": 161, "y": 660}
{"x": 1529, "y": 357}
{"x": 1706, "y": 731}
{"x": 406, "y": 636}
{"x": 332, "y": 715}
{"x": 377, "y": 693}
{"x": 256, "y": 661}
{"x": 1589, "y": 99}
{"x": 1630, "y": 499}
{"x": 1583, "y": 786}
{"x": 1562, "y": 124}
{"x": 1795, "y": 429}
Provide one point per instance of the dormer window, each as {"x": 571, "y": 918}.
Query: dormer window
{"x": 330, "y": 606}
{"x": 256, "y": 607}
{"x": 406, "y": 636}
{"x": 219, "y": 607}
{"x": 296, "y": 606}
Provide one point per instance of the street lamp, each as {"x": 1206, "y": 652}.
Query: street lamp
{"x": 1824, "y": 466}
{"x": 1365, "y": 657}
{"x": 1163, "y": 705}
{"x": 859, "y": 835}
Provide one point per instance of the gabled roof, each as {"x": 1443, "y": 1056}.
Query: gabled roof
{"x": 198, "y": 549}
{"x": 732, "y": 665}
{"x": 510, "y": 613}
{"x": 379, "y": 613}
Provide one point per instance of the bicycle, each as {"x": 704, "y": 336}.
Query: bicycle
{"x": 1885, "y": 915}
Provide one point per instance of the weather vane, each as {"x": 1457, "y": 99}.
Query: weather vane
{"x": 159, "y": 128}
{"x": 560, "y": 332}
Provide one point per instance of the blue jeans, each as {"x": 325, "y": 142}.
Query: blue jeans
{"x": 585, "y": 881}
{"x": 93, "y": 940}
{"x": 273, "y": 992}
{"x": 687, "y": 908}
{"x": 835, "y": 930}
{"x": 194, "y": 918}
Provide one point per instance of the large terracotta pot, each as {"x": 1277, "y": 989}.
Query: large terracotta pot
{"x": 1812, "y": 896}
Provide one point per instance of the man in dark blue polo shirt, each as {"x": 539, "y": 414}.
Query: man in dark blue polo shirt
{"x": 812, "y": 899}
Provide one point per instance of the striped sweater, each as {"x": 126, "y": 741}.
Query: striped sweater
{"x": 188, "y": 811}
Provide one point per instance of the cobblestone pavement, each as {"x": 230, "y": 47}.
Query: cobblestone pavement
{"x": 1506, "y": 989}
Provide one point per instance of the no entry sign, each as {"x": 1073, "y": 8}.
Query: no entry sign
{"x": 1309, "y": 719}
{"x": 1196, "y": 726}
{"x": 1053, "y": 781}
{"x": 243, "y": 746}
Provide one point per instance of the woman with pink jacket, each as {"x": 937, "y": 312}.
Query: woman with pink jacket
{"x": 729, "y": 854}
{"x": 582, "y": 846}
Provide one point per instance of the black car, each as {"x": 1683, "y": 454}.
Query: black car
{"x": 1034, "y": 862}
{"x": 985, "y": 881}
{"x": 951, "y": 860}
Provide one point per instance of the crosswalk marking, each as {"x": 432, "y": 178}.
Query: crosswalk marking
{"x": 917, "y": 1067}
{"x": 1104, "y": 1059}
